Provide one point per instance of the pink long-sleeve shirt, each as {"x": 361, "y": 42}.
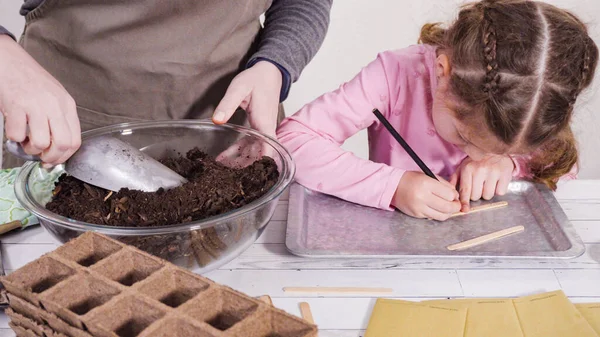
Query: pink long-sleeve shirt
{"x": 399, "y": 83}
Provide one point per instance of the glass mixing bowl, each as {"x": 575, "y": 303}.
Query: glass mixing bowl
{"x": 200, "y": 246}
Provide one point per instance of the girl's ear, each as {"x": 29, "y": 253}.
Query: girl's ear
{"x": 442, "y": 66}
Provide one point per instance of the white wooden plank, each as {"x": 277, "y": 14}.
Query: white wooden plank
{"x": 585, "y": 299}
{"x": 341, "y": 333}
{"x": 274, "y": 232}
{"x": 281, "y": 211}
{"x": 33, "y": 234}
{"x": 506, "y": 283}
{"x": 578, "y": 189}
{"x": 275, "y": 256}
{"x": 4, "y": 321}
{"x": 332, "y": 313}
{"x": 581, "y": 209}
{"x": 580, "y": 282}
{"x": 17, "y": 255}
{"x": 405, "y": 283}
{"x": 9, "y": 333}
{"x": 588, "y": 231}
{"x": 285, "y": 196}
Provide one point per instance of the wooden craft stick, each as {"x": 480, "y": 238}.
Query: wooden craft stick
{"x": 481, "y": 208}
{"x": 486, "y": 238}
{"x": 337, "y": 290}
{"x": 306, "y": 313}
{"x": 9, "y": 226}
{"x": 266, "y": 299}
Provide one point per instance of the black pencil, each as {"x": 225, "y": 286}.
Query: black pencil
{"x": 402, "y": 142}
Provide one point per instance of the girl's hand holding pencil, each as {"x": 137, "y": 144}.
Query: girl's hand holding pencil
{"x": 419, "y": 196}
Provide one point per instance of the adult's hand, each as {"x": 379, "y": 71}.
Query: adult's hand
{"x": 256, "y": 90}
{"x": 38, "y": 111}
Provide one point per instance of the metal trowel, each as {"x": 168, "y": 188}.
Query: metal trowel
{"x": 112, "y": 164}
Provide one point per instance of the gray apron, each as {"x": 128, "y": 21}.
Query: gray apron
{"x": 137, "y": 60}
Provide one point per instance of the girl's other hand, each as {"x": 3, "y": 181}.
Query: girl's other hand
{"x": 482, "y": 179}
{"x": 420, "y": 196}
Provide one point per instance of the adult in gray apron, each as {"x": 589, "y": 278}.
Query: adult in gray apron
{"x": 125, "y": 61}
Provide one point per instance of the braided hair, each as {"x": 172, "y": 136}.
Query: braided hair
{"x": 519, "y": 66}
{"x": 492, "y": 77}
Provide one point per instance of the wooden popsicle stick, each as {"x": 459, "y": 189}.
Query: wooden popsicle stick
{"x": 266, "y": 299}
{"x": 486, "y": 238}
{"x": 337, "y": 290}
{"x": 306, "y": 313}
{"x": 481, "y": 208}
{"x": 9, "y": 226}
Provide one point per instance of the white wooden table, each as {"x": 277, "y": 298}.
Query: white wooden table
{"x": 266, "y": 267}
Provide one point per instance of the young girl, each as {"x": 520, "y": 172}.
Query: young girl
{"x": 488, "y": 99}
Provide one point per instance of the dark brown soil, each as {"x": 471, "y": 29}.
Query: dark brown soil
{"x": 212, "y": 189}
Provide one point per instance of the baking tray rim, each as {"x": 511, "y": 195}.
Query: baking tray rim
{"x": 577, "y": 246}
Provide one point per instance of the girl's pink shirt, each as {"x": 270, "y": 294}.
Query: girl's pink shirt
{"x": 399, "y": 83}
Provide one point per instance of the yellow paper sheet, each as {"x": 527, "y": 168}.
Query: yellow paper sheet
{"x": 486, "y": 317}
{"x": 591, "y": 312}
{"x": 551, "y": 315}
{"x": 395, "y": 318}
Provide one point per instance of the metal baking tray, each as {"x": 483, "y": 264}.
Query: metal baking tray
{"x": 321, "y": 226}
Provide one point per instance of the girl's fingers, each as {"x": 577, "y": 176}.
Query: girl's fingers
{"x": 477, "y": 186}
{"x": 444, "y": 206}
{"x": 433, "y": 214}
{"x": 454, "y": 179}
{"x": 489, "y": 188}
{"x": 449, "y": 184}
{"x": 443, "y": 189}
{"x": 466, "y": 182}
{"x": 503, "y": 183}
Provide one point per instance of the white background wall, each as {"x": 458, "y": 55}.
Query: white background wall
{"x": 361, "y": 28}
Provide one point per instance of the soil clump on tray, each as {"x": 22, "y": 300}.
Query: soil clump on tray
{"x": 212, "y": 189}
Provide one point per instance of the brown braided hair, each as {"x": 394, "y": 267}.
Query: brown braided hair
{"x": 585, "y": 72}
{"x": 519, "y": 66}
{"x": 492, "y": 77}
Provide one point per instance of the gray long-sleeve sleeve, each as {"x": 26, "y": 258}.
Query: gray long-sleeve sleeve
{"x": 294, "y": 31}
